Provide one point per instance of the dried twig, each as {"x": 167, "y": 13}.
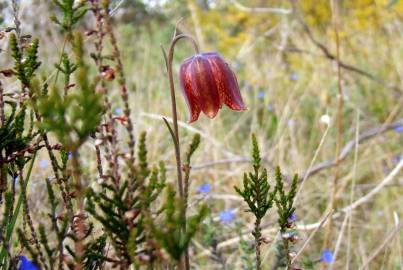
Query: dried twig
{"x": 385, "y": 242}
{"x": 302, "y": 227}
{"x": 2, "y": 115}
{"x": 121, "y": 79}
{"x": 324, "y": 219}
{"x": 366, "y": 135}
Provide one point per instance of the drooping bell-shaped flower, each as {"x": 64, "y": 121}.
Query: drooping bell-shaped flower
{"x": 207, "y": 83}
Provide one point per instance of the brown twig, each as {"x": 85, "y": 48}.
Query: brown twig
{"x": 30, "y": 149}
{"x": 109, "y": 130}
{"x": 327, "y": 164}
{"x": 385, "y": 243}
{"x": 78, "y": 222}
{"x": 366, "y": 135}
{"x": 121, "y": 79}
{"x": 2, "y": 115}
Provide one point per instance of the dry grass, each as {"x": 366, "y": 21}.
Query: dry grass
{"x": 287, "y": 123}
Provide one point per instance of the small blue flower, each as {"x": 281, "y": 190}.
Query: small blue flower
{"x": 118, "y": 111}
{"x": 260, "y": 95}
{"x": 294, "y": 77}
{"x": 227, "y": 216}
{"x": 16, "y": 179}
{"x": 327, "y": 256}
{"x": 205, "y": 188}
{"x": 399, "y": 129}
{"x": 27, "y": 264}
{"x": 397, "y": 158}
{"x": 270, "y": 108}
{"x": 43, "y": 164}
{"x": 70, "y": 156}
{"x": 292, "y": 218}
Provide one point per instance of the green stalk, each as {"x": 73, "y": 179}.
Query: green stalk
{"x": 13, "y": 221}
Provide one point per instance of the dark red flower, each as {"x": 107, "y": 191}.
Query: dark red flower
{"x": 208, "y": 82}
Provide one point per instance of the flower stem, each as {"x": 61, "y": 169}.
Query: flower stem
{"x": 169, "y": 61}
{"x": 184, "y": 264}
{"x": 258, "y": 242}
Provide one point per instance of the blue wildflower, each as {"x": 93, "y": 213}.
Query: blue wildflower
{"x": 327, "y": 256}
{"x": 43, "y": 163}
{"x": 294, "y": 77}
{"x": 27, "y": 264}
{"x": 205, "y": 188}
{"x": 118, "y": 111}
{"x": 260, "y": 95}
{"x": 399, "y": 129}
{"x": 397, "y": 158}
{"x": 292, "y": 217}
{"x": 70, "y": 156}
{"x": 227, "y": 216}
{"x": 16, "y": 179}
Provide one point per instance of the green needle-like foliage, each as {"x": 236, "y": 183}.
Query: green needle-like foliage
{"x": 14, "y": 137}
{"x": 23, "y": 240}
{"x": 285, "y": 211}
{"x": 67, "y": 68}
{"x": 25, "y": 70}
{"x": 94, "y": 256}
{"x": 121, "y": 208}
{"x": 284, "y": 202}
{"x": 192, "y": 148}
{"x": 256, "y": 193}
{"x": 169, "y": 231}
{"x": 43, "y": 238}
{"x": 256, "y": 189}
{"x": 71, "y": 14}
{"x": 74, "y": 117}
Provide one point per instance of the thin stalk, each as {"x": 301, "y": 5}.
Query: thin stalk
{"x": 60, "y": 62}
{"x": 121, "y": 79}
{"x": 26, "y": 212}
{"x": 339, "y": 122}
{"x": 258, "y": 243}
{"x": 78, "y": 224}
{"x": 287, "y": 255}
{"x": 2, "y": 115}
{"x": 3, "y": 171}
{"x": 11, "y": 224}
{"x": 168, "y": 61}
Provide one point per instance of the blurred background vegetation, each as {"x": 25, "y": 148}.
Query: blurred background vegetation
{"x": 285, "y": 63}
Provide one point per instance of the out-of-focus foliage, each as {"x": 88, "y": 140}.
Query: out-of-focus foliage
{"x": 75, "y": 116}
{"x": 235, "y": 29}
{"x": 359, "y": 14}
{"x": 230, "y": 27}
{"x": 136, "y": 12}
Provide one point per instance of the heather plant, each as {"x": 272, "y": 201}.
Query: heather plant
{"x": 256, "y": 193}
